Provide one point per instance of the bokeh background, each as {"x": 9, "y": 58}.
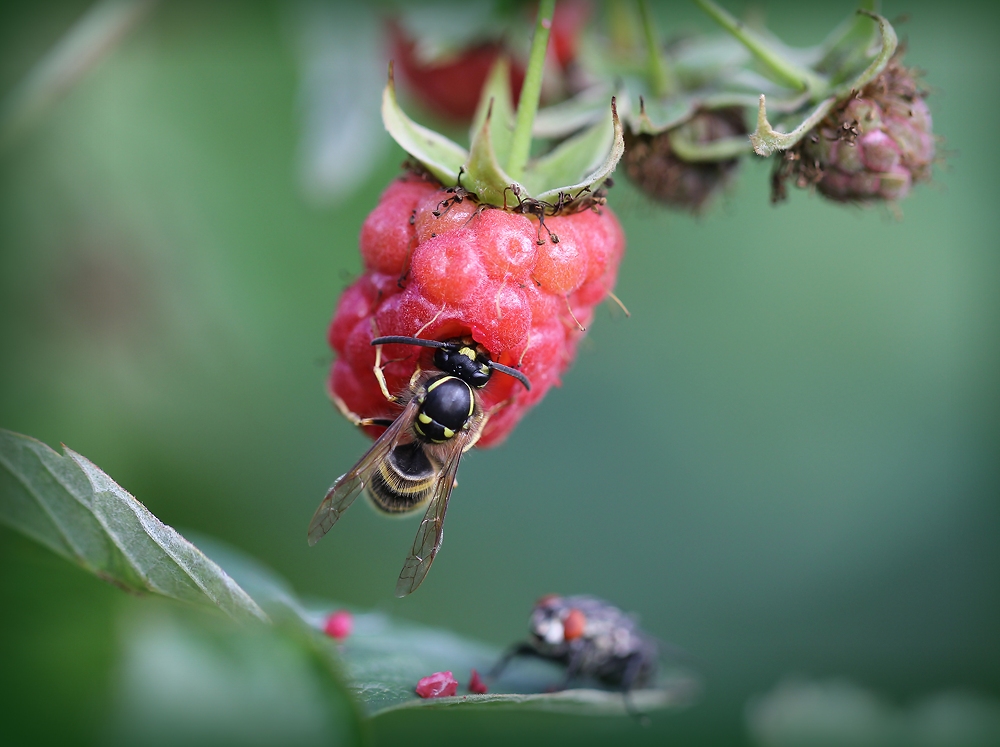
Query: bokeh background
{"x": 785, "y": 461}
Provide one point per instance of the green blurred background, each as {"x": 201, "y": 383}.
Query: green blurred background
{"x": 785, "y": 461}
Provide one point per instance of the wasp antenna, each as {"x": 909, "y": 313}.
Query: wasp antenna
{"x": 402, "y": 340}
{"x": 511, "y": 372}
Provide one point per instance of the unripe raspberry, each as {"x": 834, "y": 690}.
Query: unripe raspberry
{"x": 439, "y": 265}
{"x": 872, "y": 147}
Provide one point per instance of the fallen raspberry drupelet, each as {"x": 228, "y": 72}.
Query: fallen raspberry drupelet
{"x": 476, "y": 684}
{"x": 437, "y": 685}
{"x": 339, "y": 625}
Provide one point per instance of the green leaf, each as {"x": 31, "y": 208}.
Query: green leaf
{"x": 572, "y": 115}
{"x": 782, "y": 69}
{"x": 573, "y": 167}
{"x": 846, "y": 46}
{"x": 186, "y": 678}
{"x": 722, "y": 149}
{"x": 496, "y": 110}
{"x": 583, "y": 152}
{"x": 657, "y": 115}
{"x": 482, "y": 173}
{"x": 888, "y": 48}
{"x": 439, "y": 155}
{"x": 602, "y": 170}
{"x": 385, "y": 657}
{"x": 766, "y": 140}
{"x": 75, "y": 509}
{"x": 72, "y": 507}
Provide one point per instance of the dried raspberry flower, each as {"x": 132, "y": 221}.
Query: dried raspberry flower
{"x": 655, "y": 165}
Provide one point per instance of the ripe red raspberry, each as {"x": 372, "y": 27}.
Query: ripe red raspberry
{"x": 451, "y": 85}
{"x": 438, "y": 265}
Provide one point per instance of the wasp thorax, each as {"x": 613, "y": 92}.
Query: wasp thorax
{"x": 445, "y": 408}
{"x": 467, "y": 361}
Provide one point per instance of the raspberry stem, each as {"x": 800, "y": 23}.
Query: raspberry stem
{"x": 660, "y": 77}
{"x": 784, "y": 70}
{"x": 531, "y": 90}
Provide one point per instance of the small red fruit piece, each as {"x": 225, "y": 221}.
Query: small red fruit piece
{"x": 574, "y": 624}
{"x": 387, "y": 235}
{"x": 470, "y": 270}
{"x": 476, "y": 684}
{"x": 339, "y": 625}
{"x": 437, "y": 685}
{"x": 567, "y": 25}
{"x": 449, "y": 87}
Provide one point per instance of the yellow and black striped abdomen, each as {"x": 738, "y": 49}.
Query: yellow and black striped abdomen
{"x": 404, "y": 481}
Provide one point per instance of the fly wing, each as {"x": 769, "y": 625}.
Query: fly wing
{"x": 431, "y": 531}
{"x": 347, "y": 487}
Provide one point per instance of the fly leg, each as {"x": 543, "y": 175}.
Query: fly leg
{"x": 632, "y": 670}
{"x": 518, "y": 649}
{"x": 572, "y": 668}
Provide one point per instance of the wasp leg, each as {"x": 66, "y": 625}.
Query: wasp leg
{"x": 356, "y": 419}
{"x": 416, "y": 377}
{"x": 380, "y": 376}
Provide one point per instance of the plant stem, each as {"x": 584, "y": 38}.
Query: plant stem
{"x": 785, "y": 71}
{"x": 659, "y": 74}
{"x": 527, "y": 105}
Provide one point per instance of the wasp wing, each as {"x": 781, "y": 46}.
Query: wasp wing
{"x": 347, "y": 487}
{"x": 431, "y": 532}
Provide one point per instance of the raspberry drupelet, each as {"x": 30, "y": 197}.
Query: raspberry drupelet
{"x": 439, "y": 265}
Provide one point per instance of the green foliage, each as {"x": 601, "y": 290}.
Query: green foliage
{"x": 75, "y": 509}
{"x": 188, "y": 678}
{"x": 574, "y": 167}
{"x": 802, "y": 474}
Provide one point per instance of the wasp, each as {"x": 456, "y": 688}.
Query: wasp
{"x": 591, "y": 638}
{"x": 415, "y": 461}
